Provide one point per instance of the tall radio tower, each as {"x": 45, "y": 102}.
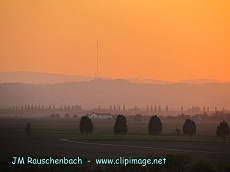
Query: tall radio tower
{"x": 97, "y": 59}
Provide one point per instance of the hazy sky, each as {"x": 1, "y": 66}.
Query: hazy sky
{"x": 154, "y": 39}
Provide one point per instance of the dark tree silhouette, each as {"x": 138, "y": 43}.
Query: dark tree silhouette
{"x": 28, "y": 128}
{"x": 120, "y": 127}
{"x": 159, "y": 108}
{"x": 118, "y": 107}
{"x": 114, "y": 108}
{"x": 167, "y": 108}
{"x": 189, "y": 128}
{"x": 204, "y": 110}
{"x": 155, "y": 126}
{"x": 147, "y": 109}
{"x": 124, "y": 109}
{"x": 222, "y": 130}
{"x": 86, "y": 126}
{"x": 151, "y": 109}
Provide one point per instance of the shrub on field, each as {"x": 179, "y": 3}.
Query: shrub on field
{"x": 67, "y": 115}
{"x": 53, "y": 115}
{"x": 137, "y": 117}
{"x": 75, "y": 116}
{"x": 178, "y": 131}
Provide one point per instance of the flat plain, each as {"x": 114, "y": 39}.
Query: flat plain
{"x": 61, "y": 137}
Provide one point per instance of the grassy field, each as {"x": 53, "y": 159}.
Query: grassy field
{"x": 69, "y": 128}
{"x": 102, "y": 143}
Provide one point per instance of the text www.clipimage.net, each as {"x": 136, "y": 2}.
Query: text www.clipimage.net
{"x": 130, "y": 161}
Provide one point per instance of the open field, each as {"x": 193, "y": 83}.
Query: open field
{"x": 69, "y": 128}
{"x": 46, "y": 135}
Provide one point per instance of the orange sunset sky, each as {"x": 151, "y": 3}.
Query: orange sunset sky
{"x": 147, "y": 39}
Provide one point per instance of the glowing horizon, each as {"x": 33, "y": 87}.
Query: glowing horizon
{"x": 171, "y": 41}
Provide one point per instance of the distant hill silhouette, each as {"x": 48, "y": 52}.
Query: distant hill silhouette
{"x": 200, "y": 81}
{"x": 39, "y": 77}
{"x": 149, "y": 81}
{"x": 112, "y": 92}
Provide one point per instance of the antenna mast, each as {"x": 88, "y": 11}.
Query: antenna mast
{"x": 97, "y": 57}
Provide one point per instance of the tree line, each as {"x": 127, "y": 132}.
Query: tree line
{"x": 154, "y": 127}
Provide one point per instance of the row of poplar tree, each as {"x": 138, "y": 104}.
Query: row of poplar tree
{"x": 154, "y": 127}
